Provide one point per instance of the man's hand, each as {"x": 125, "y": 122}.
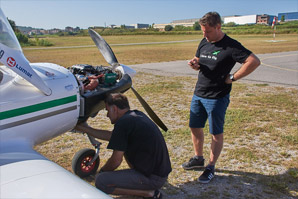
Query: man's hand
{"x": 228, "y": 80}
{"x": 194, "y": 63}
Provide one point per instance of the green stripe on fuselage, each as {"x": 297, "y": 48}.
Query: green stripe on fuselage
{"x": 36, "y": 107}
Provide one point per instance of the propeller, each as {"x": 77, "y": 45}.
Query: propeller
{"x": 110, "y": 57}
{"x": 150, "y": 112}
{"x": 104, "y": 48}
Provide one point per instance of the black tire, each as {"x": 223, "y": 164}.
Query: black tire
{"x": 80, "y": 161}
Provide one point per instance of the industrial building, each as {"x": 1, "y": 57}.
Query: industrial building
{"x": 288, "y": 16}
{"x": 181, "y": 22}
{"x": 185, "y": 22}
{"x": 250, "y": 19}
{"x": 132, "y": 26}
{"x": 265, "y": 19}
{"x": 237, "y": 19}
{"x": 140, "y": 26}
{"x": 241, "y": 20}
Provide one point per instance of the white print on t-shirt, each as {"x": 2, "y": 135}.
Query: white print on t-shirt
{"x": 209, "y": 57}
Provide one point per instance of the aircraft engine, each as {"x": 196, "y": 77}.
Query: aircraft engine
{"x": 95, "y": 82}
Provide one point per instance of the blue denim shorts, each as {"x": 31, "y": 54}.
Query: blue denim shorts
{"x": 214, "y": 110}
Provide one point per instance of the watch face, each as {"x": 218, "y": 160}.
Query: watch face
{"x": 232, "y": 77}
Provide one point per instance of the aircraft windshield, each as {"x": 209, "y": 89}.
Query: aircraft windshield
{"x": 7, "y": 36}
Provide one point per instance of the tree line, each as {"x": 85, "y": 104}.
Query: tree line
{"x": 230, "y": 28}
{"x": 24, "y": 39}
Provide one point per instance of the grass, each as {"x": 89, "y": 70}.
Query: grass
{"x": 138, "y": 54}
{"x": 259, "y": 159}
{"x": 260, "y": 139}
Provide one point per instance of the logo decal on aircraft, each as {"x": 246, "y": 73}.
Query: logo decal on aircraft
{"x": 1, "y": 54}
{"x": 11, "y": 62}
{"x": 49, "y": 74}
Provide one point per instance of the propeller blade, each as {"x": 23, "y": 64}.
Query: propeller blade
{"x": 104, "y": 48}
{"x": 150, "y": 112}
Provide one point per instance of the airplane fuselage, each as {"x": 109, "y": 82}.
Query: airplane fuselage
{"x": 28, "y": 114}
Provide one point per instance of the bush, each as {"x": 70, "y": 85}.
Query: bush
{"x": 230, "y": 24}
{"x": 196, "y": 26}
{"x": 168, "y": 28}
{"x": 41, "y": 42}
{"x": 23, "y": 39}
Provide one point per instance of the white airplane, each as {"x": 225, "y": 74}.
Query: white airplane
{"x": 39, "y": 101}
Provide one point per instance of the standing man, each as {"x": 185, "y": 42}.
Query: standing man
{"x": 137, "y": 139}
{"x": 215, "y": 57}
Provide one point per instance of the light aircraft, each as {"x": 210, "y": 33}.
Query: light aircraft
{"x": 39, "y": 101}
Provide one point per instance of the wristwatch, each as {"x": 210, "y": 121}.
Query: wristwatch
{"x": 232, "y": 77}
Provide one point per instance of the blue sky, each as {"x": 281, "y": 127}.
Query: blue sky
{"x": 49, "y": 14}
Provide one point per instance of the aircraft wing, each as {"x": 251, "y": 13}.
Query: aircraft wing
{"x": 24, "y": 173}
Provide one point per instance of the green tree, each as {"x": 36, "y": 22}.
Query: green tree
{"x": 179, "y": 28}
{"x": 168, "y": 28}
{"x": 282, "y": 19}
{"x": 23, "y": 39}
{"x": 196, "y": 26}
{"x": 13, "y": 25}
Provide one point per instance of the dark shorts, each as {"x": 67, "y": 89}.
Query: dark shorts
{"x": 127, "y": 179}
{"x": 214, "y": 110}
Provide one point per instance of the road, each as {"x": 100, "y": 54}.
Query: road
{"x": 276, "y": 69}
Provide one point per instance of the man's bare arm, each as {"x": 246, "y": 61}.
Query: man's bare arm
{"x": 249, "y": 65}
{"x": 97, "y": 133}
{"x": 114, "y": 161}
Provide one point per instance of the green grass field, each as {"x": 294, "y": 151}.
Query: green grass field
{"x": 259, "y": 159}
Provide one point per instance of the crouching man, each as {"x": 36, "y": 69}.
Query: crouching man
{"x": 137, "y": 139}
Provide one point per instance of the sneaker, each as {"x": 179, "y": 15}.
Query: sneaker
{"x": 193, "y": 163}
{"x": 207, "y": 175}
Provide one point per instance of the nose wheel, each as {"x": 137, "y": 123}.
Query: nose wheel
{"x": 83, "y": 164}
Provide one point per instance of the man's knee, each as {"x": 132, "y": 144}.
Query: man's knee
{"x": 218, "y": 137}
{"x": 102, "y": 183}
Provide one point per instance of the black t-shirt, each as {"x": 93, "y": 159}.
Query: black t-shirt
{"x": 143, "y": 144}
{"x": 216, "y": 62}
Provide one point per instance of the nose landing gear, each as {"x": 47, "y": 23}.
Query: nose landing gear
{"x": 86, "y": 161}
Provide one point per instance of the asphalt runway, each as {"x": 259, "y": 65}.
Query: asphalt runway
{"x": 276, "y": 69}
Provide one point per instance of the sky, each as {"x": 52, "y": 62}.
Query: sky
{"x": 48, "y": 14}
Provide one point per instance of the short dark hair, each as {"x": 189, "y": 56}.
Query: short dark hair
{"x": 117, "y": 99}
{"x": 211, "y": 18}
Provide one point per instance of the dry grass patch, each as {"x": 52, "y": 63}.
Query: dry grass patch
{"x": 152, "y": 53}
{"x": 259, "y": 159}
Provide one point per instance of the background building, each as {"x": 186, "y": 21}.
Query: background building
{"x": 241, "y": 20}
{"x": 185, "y": 22}
{"x": 140, "y": 26}
{"x": 265, "y": 19}
{"x": 180, "y": 22}
{"x": 288, "y": 16}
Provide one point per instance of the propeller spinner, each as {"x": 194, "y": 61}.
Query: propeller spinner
{"x": 110, "y": 57}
